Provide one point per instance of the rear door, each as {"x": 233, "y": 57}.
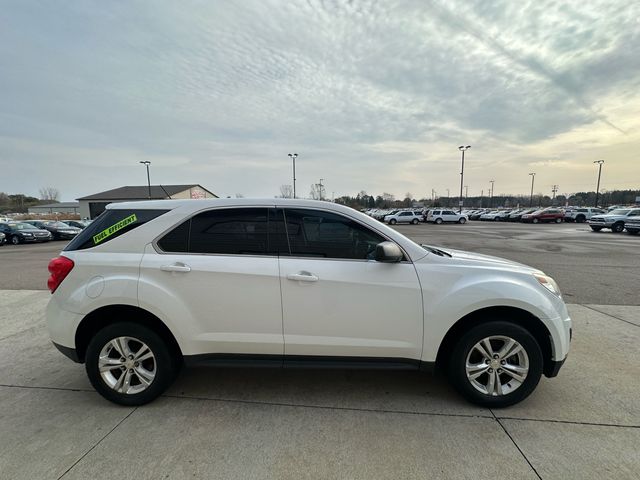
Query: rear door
{"x": 216, "y": 276}
{"x": 337, "y": 300}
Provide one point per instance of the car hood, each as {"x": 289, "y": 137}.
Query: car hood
{"x": 33, "y": 230}
{"x": 462, "y": 257}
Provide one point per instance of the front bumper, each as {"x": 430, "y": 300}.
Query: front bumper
{"x": 552, "y": 368}
{"x": 68, "y": 352}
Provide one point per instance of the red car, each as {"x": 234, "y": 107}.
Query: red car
{"x": 546, "y": 215}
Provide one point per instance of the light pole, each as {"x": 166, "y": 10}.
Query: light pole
{"x": 466, "y": 192}
{"x": 293, "y": 157}
{"x": 533, "y": 177}
{"x": 448, "y": 195}
{"x": 599, "y": 162}
{"x": 463, "y": 149}
{"x": 491, "y": 197}
{"x": 147, "y": 163}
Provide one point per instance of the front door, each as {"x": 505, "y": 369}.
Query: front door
{"x": 337, "y": 300}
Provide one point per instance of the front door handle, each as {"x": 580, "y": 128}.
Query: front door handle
{"x": 176, "y": 267}
{"x": 302, "y": 277}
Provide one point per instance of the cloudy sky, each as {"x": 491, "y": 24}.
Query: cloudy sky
{"x": 372, "y": 95}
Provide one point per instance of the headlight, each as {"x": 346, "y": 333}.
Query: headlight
{"x": 548, "y": 283}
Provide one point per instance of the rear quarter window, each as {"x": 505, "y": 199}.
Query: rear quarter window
{"x": 111, "y": 224}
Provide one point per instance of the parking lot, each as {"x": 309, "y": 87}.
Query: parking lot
{"x": 237, "y": 423}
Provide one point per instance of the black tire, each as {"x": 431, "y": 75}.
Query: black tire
{"x": 596, "y": 229}
{"x": 414, "y": 221}
{"x": 438, "y": 221}
{"x": 15, "y": 240}
{"x": 617, "y": 227}
{"x": 166, "y": 364}
{"x": 580, "y": 218}
{"x": 393, "y": 221}
{"x": 457, "y": 361}
{"x": 632, "y": 232}
{"x": 462, "y": 221}
{"x": 558, "y": 220}
{"x": 535, "y": 220}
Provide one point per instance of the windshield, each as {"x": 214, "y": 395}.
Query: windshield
{"x": 22, "y": 226}
{"x": 620, "y": 211}
{"x": 58, "y": 225}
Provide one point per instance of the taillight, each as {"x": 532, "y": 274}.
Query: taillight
{"x": 59, "y": 268}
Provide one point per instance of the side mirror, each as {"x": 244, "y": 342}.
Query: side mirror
{"x": 388, "y": 252}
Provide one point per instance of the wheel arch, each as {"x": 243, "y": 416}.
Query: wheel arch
{"x": 110, "y": 314}
{"x": 515, "y": 315}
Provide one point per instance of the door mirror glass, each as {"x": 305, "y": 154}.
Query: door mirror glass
{"x": 388, "y": 252}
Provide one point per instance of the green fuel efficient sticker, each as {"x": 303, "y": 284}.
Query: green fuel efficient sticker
{"x": 106, "y": 233}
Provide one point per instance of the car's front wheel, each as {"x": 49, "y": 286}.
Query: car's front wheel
{"x": 15, "y": 240}
{"x": 129, "y": 364}
{"x": 617, "y": 227}
{"x": 393, "y": 221}
{"x": 496, "y": 364}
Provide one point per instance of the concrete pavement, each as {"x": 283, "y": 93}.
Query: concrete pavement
{"x": 241, "y": 423}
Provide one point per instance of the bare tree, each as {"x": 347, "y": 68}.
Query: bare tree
{"x": 49, "y": 193}
{"x": 316, "y": 191}
{"x": 286, "y": 191}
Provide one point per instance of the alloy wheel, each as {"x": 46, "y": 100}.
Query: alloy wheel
{"x": 497, "y": 365}
{"x": 127, "y": 365}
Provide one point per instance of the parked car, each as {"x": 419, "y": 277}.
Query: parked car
{"x": 503, "y": 215}
{"x": 614, "y": 220}
{"x": 20, "y": 232}
{"x": 59, "y": 230}
{"x": 545, "y": 215}
{"x": 81, "y": 224}
{"x": 3, "y": 239}
{"x": 151, "y": 286}
{"x": 632, "y": 224}
{"x": 581, "y": 214}
{"x": 492, "y": 215}
{"x": 441, "y": 216}
{"x": 516, "y": 215}
{"x": 477, "y": 214}
{"x": 403, "y": 217}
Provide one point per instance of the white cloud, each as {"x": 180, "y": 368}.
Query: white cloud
{"x": 372, "y": 95}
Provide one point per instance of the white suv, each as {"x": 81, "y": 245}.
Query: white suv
{"x": 440, "y": 216}
{"x": 403, "y": 217}
{"x": 151, "y": 285}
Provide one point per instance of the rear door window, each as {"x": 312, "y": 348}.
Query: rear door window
{"x": 111, "y": 224}
{"x": 232, "y": 231}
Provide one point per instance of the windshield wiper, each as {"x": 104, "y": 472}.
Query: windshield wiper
{"x": 437, "y": 251}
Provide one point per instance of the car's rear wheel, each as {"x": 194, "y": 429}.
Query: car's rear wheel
{"x": 580, "y": 218}
{"x": 617, "y": 227}
{"x": 438, "y": 221}
{"x": 129, "y": 364}
{"x": 496, "y": 364}
{"x": 558, "y": 220}
{"x": 414, "y": 221}
{"x": 462, "y": 220}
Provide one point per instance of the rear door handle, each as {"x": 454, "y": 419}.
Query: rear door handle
{"x": 302, "y": 277}
{"x": 176, "y": 267}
